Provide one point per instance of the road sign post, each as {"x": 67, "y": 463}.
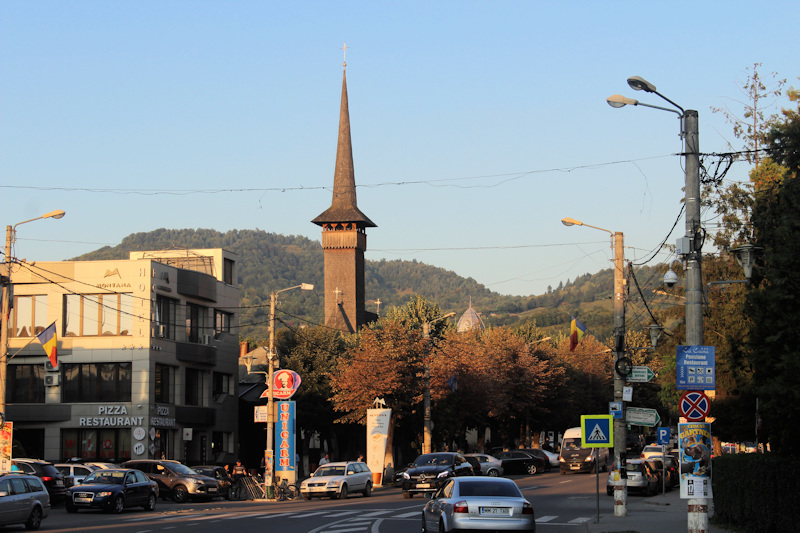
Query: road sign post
{"x": 597, "y": 431}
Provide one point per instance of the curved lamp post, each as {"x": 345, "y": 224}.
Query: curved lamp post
{"x": 6, "y": 282}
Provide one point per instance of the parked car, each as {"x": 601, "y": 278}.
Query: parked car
{"x": 657, "y": 466}
{"x": 519, "y": 462}
{"x": 74, "y": 472}
{"x": 641, "y": 478}
{"x": 478, "y": 504}
{"x": 489, "y": 465}
{"x": 542, "y": 455}
{"x": 176, "y": 480}
{"x": 475, "y": 464}
{"x": 23, "y": 500}
{"x": 52, "y": 478}
{"x": 113, "y": 491}
{"x": 338, "y": 480}
{"x": 224, "y": 480}
{"x": 429, "y": 472}
{"x": 552, "y": 457}
{"x": 101, "y": 464}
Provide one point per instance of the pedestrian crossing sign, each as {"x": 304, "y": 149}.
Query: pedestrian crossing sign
{"x": 597, "y": 431}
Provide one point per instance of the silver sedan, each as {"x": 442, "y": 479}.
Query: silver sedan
{"x": 482, "y": 503}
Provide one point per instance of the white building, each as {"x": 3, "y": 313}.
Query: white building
{"x": 147, "y": 358}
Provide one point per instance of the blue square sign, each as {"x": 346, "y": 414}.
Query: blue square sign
{"x": 597, "y": 431}
{"x": 663, "y": 436}
{"x": 695, "y": 368}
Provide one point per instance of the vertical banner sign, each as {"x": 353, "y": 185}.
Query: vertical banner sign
{"x": 377, "y": 434}
{"x": 285, "y": 437}
{"x": 695, "y": 448}
{"x": 6, "y": 436}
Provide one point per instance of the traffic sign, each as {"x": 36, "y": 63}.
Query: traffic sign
{"x": 642, "y": 417}
{"x": 695, "y": 367}
{"x": 694, "y": 406}
{"x": 615, "y": 409}
{"x": 597, "y": 431}
{"x": 663, "y": 436}
{"x": 641, "y": 374}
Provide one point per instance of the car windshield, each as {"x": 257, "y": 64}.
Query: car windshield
{"x": 634, "y": 467}
{"x": 483, "y": 488}
{"x": 106, "y": 477}
{"x": 179, "y": 468}
{"x": 571, "y": 444}
{"x": 430, "y": 459}
{"x": 329, "y": 471}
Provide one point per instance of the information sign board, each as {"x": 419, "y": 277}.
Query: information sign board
{"x": 695, "y": 368}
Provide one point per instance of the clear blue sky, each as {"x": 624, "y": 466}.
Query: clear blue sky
{"x": 476, "y": 126}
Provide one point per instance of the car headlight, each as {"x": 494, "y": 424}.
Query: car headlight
{"x": 104, "y": 494}
{"x": 590, "y": 458}
{"x": 561, "y": 459}
{"x": 333, "y": 483}
{"x": 443, "y": 474}
{"x": 406, "y": 476}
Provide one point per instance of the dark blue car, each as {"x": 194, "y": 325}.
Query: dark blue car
{"x": 113, "y": 491}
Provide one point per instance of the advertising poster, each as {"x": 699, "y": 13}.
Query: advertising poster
{"x": 378, "y": 421}
{"x": 695, "y": 447}
{"x": 285, "y": 438}
{"x": 6, "y": 437}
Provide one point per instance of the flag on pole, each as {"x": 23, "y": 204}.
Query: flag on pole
{"x": 48, "y": 339}
{"x": 576, "y": 331}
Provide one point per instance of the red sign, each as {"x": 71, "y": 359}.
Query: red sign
{"x": 694, "y": 406}
{"x": 285, "y": 383}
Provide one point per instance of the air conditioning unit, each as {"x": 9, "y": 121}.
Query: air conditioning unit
{"x": 48, "y": 366}
{"x": 53, "y": 380}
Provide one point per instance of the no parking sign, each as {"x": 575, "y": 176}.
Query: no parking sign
{"x": 694, "y": 406}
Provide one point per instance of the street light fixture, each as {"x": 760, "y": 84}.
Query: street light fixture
{"x": 11, "y": 232}
{"x": 698, "y": 510}
{"x": 620, "y": 427}
{"x": 427, "y": 429}
{"x": 269, "y": 481}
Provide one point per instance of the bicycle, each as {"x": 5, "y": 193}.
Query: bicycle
{"x": 285, "y": 491}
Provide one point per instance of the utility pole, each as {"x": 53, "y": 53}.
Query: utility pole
{"x": 427, "y": 429}
{"x": 620, "y": 425}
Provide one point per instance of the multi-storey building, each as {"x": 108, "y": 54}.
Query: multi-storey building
{"x": 147, "y": 358}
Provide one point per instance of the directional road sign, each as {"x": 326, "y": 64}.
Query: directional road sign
{"x": 640, "y": 374}
{"x": 642, "y": 417}
{"x": 694, "y": 406}
{"x": 597, "y": 431}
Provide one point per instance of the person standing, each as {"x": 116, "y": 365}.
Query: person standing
{"x": 238, "y": 477}
{"x": 325, "y": 460}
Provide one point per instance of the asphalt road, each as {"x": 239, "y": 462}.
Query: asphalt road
{"x": 561, "y": 503}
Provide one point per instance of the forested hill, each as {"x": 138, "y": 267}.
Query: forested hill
{"x": 268, "y": 262}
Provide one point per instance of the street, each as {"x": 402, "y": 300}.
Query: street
{"x": 560, "y": 503}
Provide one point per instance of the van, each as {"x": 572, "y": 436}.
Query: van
{"x": 573, "y": 457}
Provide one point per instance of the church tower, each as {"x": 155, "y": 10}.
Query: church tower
{"x": 344, "y": 237}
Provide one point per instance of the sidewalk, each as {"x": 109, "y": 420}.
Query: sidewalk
{"x": 655, "y": 514}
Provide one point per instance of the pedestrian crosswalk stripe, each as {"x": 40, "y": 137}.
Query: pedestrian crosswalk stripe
{"x": 543, "y": 519}
{"x": 580, "y": 520}
{"x": 407, "y": 515}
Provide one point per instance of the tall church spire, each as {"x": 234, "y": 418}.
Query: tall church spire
{"x": 344, "y": 207}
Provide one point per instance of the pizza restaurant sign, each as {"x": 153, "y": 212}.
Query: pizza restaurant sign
{"x": 111, "y": 416}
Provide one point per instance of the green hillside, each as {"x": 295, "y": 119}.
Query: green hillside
{"x": 269, "y": 262}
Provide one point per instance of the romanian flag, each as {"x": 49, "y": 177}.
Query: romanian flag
{"x": 48, "y": 339}
{"x": 576, "y": 331}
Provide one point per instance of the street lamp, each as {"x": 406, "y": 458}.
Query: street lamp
{"x": 6, "y": 307}
{"x": 427, "y": 429}
{"x": 269, "y": 481}
{"x": 620, "y": 427}
{"x": 691, "y": 245}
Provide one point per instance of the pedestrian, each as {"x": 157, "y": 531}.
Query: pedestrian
{"x": 238, "y": 479}
{"x": 360, "y": 458}
{"x": 325, "y": 460}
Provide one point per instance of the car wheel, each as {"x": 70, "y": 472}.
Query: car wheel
{"x": 35, "y": 519}
{"x": 180, "y": 494}
{"x": 493, "y": 473}
{"x": 343, "y": 493}
{"x": 407, "y": 495}
{"x": 119, "y": 505}
{"x": 368, "y": 490}
{"x": 424, "y": 525}
{"x": 441, "y": 527}
{"x": 532, "y": 469}
{"x": 151, "y": 503}
{"x": 229, "y": 494}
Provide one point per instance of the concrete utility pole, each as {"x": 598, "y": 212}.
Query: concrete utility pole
{"x": 427, "y": 429}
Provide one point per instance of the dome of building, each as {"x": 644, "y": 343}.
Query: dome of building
{"x": 469, "y": 321}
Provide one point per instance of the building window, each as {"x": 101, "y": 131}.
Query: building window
{"x": 221, "y": 444}
{"x": 227, "y": 271}
{"x": 222, "y": 323}
{"x": 165, "y": 319}
{"x": 165, "y": 384}
{"x": 29, "y": 316}
{"x": 221, "y": 385}
{"x": 97, "y": 382}
{"x": 196, "y": 317}
{"x": 25, "y": 384}
{"x": 88, "y": 315}
{"x": 193, "y": 393}
{"x": 108, "y": 444}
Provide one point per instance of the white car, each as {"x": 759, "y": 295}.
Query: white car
{"x": 650, "y": 450}
{"x": 337, "y": 480}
